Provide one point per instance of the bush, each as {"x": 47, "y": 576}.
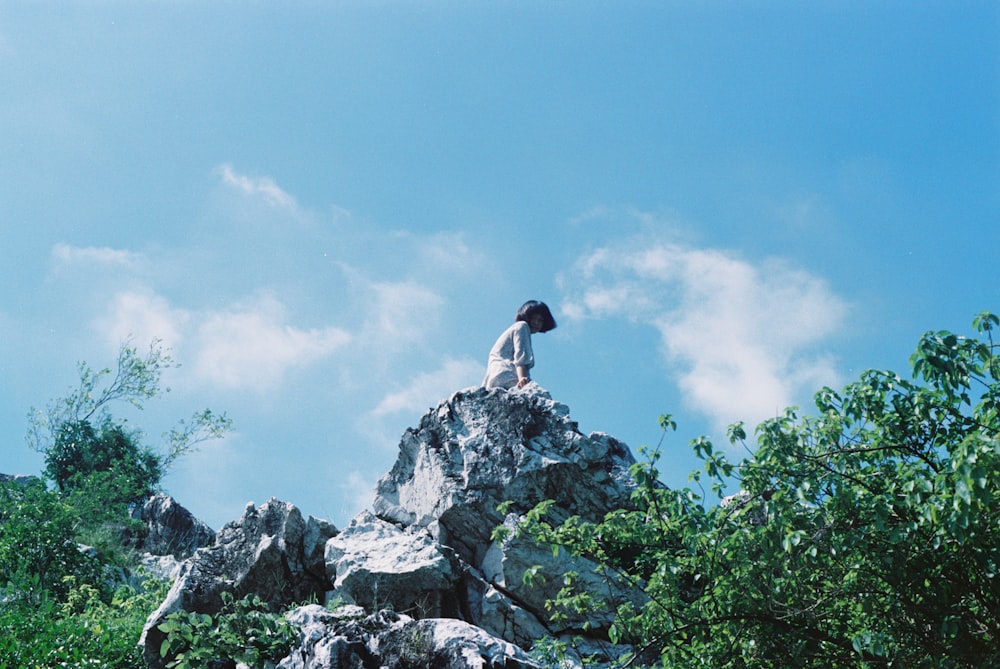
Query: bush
{"x": 243, "y": 631}
{"x": 37, "y": 544}
{"x": 81, "y": 631}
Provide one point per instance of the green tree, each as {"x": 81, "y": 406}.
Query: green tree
{"x": 98, "y": 464}
{"x": 865, "y": 535}
{"x": 78, "y": 435}
{"x": 110, "y": 458}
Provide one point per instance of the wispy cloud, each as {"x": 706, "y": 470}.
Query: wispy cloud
{"x": 425, "y": 390}
{"x": 742, "y": 336}
{"x": 247, "y": 346}
{"x": 400, "y": 315}
{"x": 143, "y": 316}
{"x": 251, "y": 345}
{"x": 383, "y": 424}
{"x": 263, "y": 187}
{"x": 64, "y": 255}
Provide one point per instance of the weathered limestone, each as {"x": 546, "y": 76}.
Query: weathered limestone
{"x": 272, "y": 551}
{"x": 348, "y": 639}
{"x": 172, "y": 529}
{"x": 424, "y": 582}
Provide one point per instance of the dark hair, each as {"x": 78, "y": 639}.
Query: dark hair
{"x": 535, "y": 308}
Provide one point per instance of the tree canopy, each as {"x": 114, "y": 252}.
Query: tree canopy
{"x": 867, "y": 534}
{"x": 84, "y": 445}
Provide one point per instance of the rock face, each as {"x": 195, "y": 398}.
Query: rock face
{"x": 350, "y": 639}
{"x": 272, "y": 551}
{"x": 485, "y": 447}
{"x": 424, "y": 581}
{"x": 172, "y": 529}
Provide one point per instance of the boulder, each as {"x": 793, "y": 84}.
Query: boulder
{"x": 272, "y": 551}
{"x": 374, "y": 563}
{"x": 171, "y": 529}
{"x": 348, "y": 639}
{"x": 427, "y": 581}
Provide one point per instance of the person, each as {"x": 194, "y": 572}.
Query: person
{"x": 511, "y": 357}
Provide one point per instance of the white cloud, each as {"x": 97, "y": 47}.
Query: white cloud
{"x": 65, "y": 255}
{"x": 143, "y": 316}
{"x": 263, "y": 187}
{"x": 251, "y": 345}
{"x": 448, "y": 251}
{"x": 741, "y": 336}
{"x": 426, "y": 390}
{"x": 357, "y": 493}
{"x": 405, "y": 405}
{"x": 401, "y": 314}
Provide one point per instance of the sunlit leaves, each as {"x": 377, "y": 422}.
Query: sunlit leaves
{"x": 867, "y": 534}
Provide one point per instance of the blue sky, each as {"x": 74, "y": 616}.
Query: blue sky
{"x": 329, "y": 211}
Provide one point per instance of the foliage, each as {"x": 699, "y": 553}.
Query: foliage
{"x": 83, "y": 631}
{"x": 37, "y": 547}
{"x": 243, "y": 631}
{"x": 61, "y": 430}
{"x": 109, "y": 458}
{"x": 98, "y": 464}
{"x": 866, "y": 535}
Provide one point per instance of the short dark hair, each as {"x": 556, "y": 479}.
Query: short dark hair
{"x": 535, "y": 308}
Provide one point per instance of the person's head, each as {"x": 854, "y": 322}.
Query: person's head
{"x": 537, "y": 315}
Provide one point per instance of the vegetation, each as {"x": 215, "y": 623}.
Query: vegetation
{"x": 867, "y": 535}
{"x": 80, "y": 631}
{"x": 244, "y": 631}
{"x": 66, "y": 553}
{"x": 80, "y": 439}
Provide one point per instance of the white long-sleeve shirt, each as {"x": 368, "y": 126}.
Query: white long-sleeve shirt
{"x": 512, "y": 349}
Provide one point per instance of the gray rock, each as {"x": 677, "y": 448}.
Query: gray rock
{"x": 374, "y": 563}
{"x": 272, "y": 551}
{"x": 484, "y": 447}
{"x": 428, "y": 584}
{"x": 338, "y": 640}
{"x": 171, "y": 529}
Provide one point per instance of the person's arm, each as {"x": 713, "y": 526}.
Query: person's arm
{"x": 524, "y": 357}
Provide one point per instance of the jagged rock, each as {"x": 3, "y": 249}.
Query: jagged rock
{"x": 484, "y": 447}
{"x": 451, "y": 595}
{"x": 272, "y": 551}
{"x": 494, "y": 610}
{"x": 507, "y": 561}
{"x": 373, "y": 563}
{"x": 347, "y": 640}
{"x": 163, "y": 567}
{"x": 172, "y": 529}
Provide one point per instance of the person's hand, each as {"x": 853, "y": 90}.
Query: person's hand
{"x": 523, "y": 381}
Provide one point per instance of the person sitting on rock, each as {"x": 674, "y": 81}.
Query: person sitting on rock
{"x": 511, "y": 356}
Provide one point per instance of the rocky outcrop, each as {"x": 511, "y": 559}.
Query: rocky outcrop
{"x": 272, "y": 551}
{"x": 482, "y": 448}
{"x": 425, "y": 581}
{"x": 348, "y": 638}
{"x": 171, "y": 529}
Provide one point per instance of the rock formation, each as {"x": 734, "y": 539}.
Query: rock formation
{"x": 171, "y": 529}
{"x": 424, "y": 581}
{"x": 272, "y": 551}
